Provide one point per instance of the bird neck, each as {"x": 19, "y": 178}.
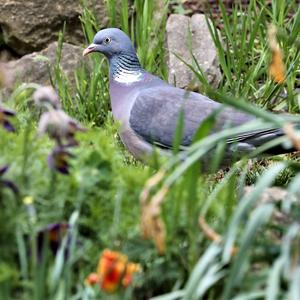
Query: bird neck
{"x": 126, "y": 68}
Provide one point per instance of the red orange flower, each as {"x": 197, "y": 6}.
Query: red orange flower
{"x": 92, "y": 279}
{"x": 131, "y": 268}
{"x": 114, "y": 271}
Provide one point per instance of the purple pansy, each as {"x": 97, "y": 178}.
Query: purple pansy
{"x": 5, "y": 115}
{"x": 52, "y": 236}
{"x": 46, "y": 95}
{"x": 5, "y": 182}
{"x": 58, "y": 160}
{"x": 60, "y": 127}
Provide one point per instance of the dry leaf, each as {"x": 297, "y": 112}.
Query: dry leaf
{"x": 209, "y": 232}
{"x": 152, "y": 225}
{"x": 213, "y": 235}
{"x": 150, "y": 183}
{"x": 292, "y": 135}
{"x": 277, "y": 67}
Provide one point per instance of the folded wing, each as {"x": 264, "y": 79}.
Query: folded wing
{"x": 156, "y": 111}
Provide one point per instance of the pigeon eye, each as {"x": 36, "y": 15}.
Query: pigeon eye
{"x": 107, "y": 40}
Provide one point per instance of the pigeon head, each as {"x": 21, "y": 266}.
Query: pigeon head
{"x": 111, "y": 42}
{"x": 124, "y": 65}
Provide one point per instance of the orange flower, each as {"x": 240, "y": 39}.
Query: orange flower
{"x": 92, "y": 279}
{"x": 131, "y": 268}
{"x": 113, "y": 271}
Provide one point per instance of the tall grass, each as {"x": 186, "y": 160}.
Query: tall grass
{"x": 261, "y": 268}
{"x": 254, "y": 251}
{"x": 244, "y": 55}
{"x": 91, "y": 101}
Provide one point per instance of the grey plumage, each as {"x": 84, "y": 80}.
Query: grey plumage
{"x": 159, "y": 111}
{"x": 148, "y": 108}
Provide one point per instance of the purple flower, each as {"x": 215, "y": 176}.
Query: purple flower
{"x": 58, "y": 160}
{"x": 60, "y": 127}
{"x": 3, "y": 170}
{"x": 7, "y": 183}
{"x": 5, "y": 114}
{"x": 52, "y": 236}
{"x": 46, "y": 95}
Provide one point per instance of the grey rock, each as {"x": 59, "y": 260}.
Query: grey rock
{"x": 31, "y": 25}
{"x": 185, "y": 33}
{"x": 6, "y": 55}
{"x": 36, "y": 67}
{"x": 275, "y": 195}
{"x": 271, "y": 195}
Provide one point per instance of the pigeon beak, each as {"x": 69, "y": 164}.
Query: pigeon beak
{"x": 89, "y": 49}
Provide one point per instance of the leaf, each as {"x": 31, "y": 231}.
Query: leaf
{"x": 258, "y": 218}
{"x": 273, "y": 285}
{"x": 170, "y": 296}
{"x": 200, "y": 270}
{"x": 245, "y": 203}
{"x": 250, "y": 296}
{"x": 212, "y": 276}
{"x": 294, "y": 291}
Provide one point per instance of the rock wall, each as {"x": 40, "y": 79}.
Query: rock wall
{"x": 31, "y": 25}
{"x": 186, "y": 35}
{"x": 35, "y": 67}
{"x": 29, "y": 29}
{"x": 28, "y": 38}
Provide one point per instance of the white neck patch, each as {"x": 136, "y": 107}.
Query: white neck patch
{"x": 128, "y": 76}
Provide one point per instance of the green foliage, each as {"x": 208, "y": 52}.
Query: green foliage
{"x": 244, "y": 53}
{"x": 91, "y": 101}
{"x": 144, "y": 28}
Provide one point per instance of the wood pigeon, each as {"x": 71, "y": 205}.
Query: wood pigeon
{"x": 148, "y": 108}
